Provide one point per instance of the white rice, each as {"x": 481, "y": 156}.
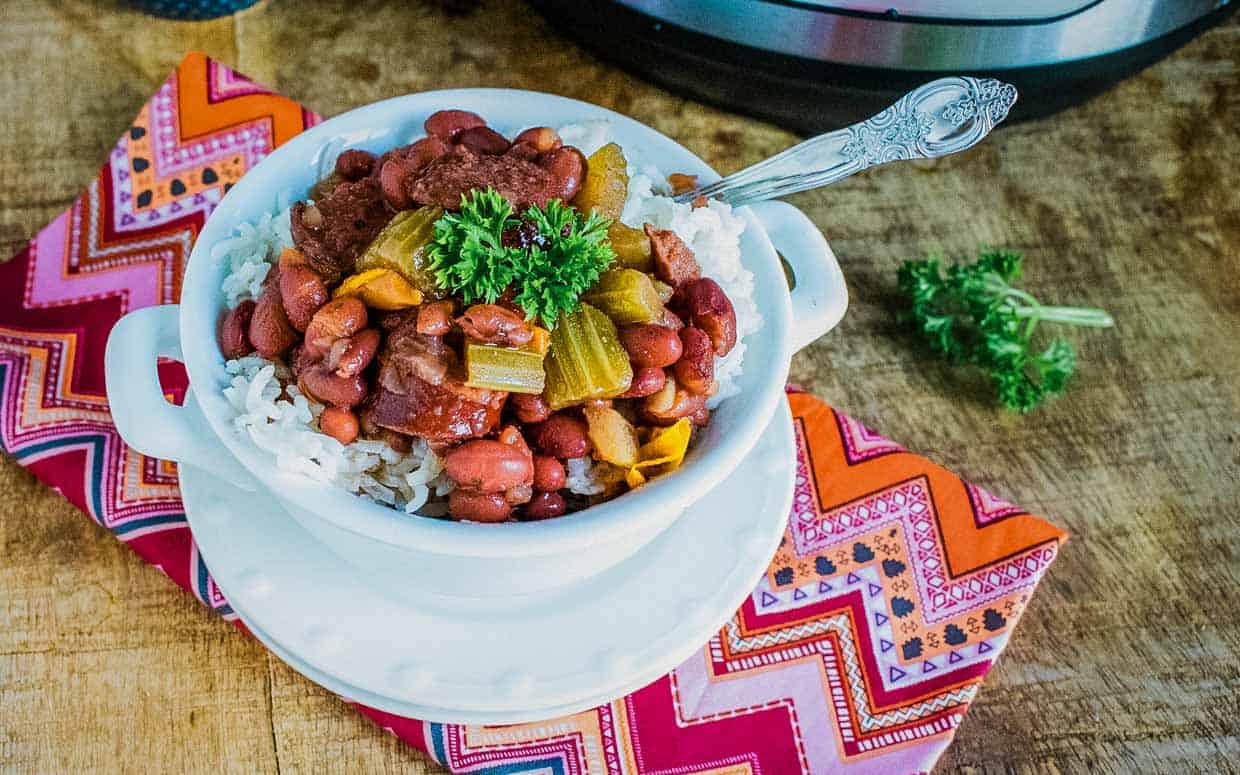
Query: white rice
{"x": 250, "y": 254}
{"x": 280, "y": 420}
{"x": 274, "y": 414}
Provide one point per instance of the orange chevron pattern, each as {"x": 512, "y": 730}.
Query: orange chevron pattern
{"x": 968, "y": 547}
{"x": 202, "y": 111}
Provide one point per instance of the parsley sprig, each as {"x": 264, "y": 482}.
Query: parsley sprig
{"x": 974, "y": 315}
{"x": 468, "y": 254}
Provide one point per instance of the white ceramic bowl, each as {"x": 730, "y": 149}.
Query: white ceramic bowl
{"x": 449, "y": 558}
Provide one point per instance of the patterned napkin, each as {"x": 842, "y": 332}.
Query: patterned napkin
{"x": 896, "y": 587}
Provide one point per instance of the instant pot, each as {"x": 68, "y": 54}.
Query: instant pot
{"x": 816, "y": 64}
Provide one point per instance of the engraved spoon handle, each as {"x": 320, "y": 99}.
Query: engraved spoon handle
{"x": 941, "y": 117}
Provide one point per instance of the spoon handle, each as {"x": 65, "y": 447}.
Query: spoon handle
{"x": 936, "y": 119}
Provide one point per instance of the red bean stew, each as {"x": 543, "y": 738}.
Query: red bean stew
{"x": 378, "y": 318}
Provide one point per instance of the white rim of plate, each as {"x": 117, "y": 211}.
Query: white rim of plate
{"x": 264, "y": 597}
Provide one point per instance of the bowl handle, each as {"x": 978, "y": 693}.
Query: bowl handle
{"x": 819, "y": 295}
{"x": 145, "y": 419}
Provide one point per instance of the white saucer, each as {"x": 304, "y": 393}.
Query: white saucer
{"x": 522, "y": 659}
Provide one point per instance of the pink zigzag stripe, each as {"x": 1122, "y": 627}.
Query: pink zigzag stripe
{"x": 861, "y": 443}
{"x": 567, "y": 747}
{"x": 988, "y": 508}
{"x": 17, "y": 439}
{"x": 799, "y": 686}
{"x": 136, "y": 284}
{"x": 224, "y": 83}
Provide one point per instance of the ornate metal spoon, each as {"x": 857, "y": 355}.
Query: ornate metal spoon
{"x": 941, "y": 117}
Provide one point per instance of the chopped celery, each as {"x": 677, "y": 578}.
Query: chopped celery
{"x": 631, "y": 246}
{"x": 490, "y": 367}
{"x": 626, "y": 296}
{"x": 586, "y": 360}
{"x": 401, "y": 246}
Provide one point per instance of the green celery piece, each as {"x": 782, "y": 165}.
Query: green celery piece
{"x": 586, "y": 360}
{"x": 626, "y": 296}
{"x": 401, "y": 246}
{"x": 516, "y": 370}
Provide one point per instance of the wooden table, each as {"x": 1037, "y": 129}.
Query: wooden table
{"x": 1129, "y": 658}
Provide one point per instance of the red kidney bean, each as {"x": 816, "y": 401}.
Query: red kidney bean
{"x": 562, "y": 435}
{"x": 482, "y": 139}
{"x": 651, "y": 346}
{"x": 235, "y": 331}
{"x": 392, "y": 182}
{"x": 350, "y": 355}
{"x": 327, "y": 387}
{"x": 425, "y": 151}
{"x": 657, "y": 411}
{"x": 340, "y": 424}
{"x": 711, "y": 310}
{"x": 494, "y": 324}
{"x": 478, "y": 506}
{"x": 549, "y": 473}
{"x": 540, "y": 138}
{"x": 530, "y": 408}
{"x": 303, "y": 292}
{"x": 568, "y": 166}
{"x": 270, "y": 331}
{"x": 545, "y": 505}
{"x": 646, "y": 381}
{"x": 695, "y": 370}
{"x": 446, "y": 124}
{"x": 484, "y": 465}
{"x": 523, "y": 151}
{"x": 301, "y": 359}
{"x": 335, "y": 320}
{"x": 435, "y": 318}
{"x": 355, "y": 164}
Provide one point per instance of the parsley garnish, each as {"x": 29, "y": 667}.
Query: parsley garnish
{"x": 974, "y": 315}
{"x": 468, "y": 255}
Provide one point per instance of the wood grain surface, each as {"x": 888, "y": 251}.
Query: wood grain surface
{"x": 1129, "y": 657}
